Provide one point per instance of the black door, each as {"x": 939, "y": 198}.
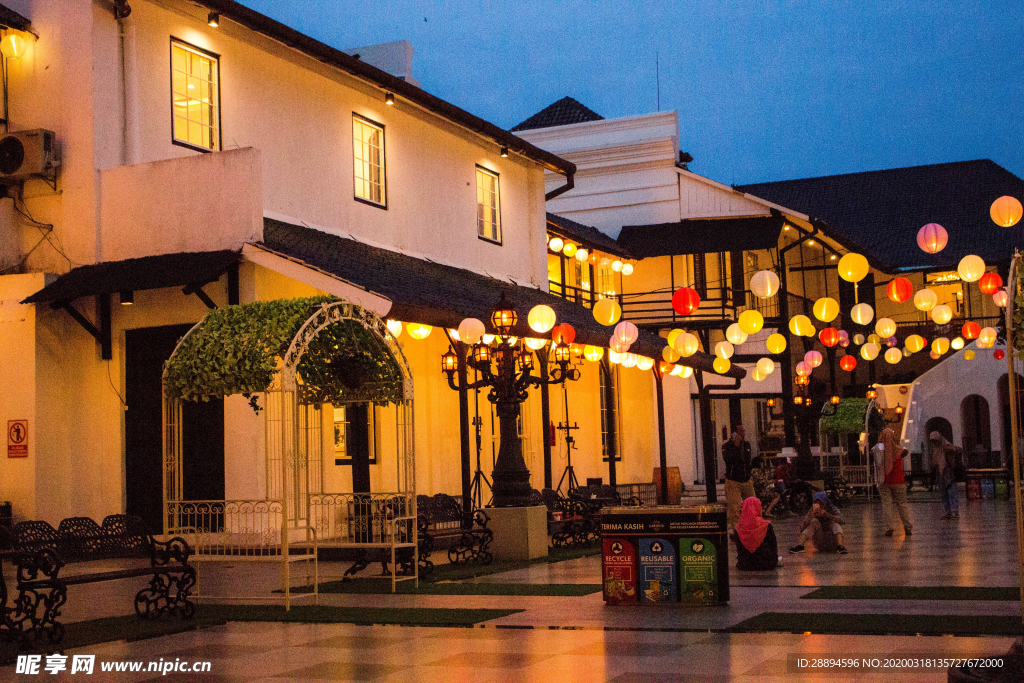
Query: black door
{"x": 357, "y": 445}
{"x": 202, "y": 430}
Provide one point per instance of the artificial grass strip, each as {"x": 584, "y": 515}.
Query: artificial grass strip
{"x": 881, "y": 624}
{"x": 914, "y": 593}
{"x": 455, "y": 572}
{"x": 382, "y": 586}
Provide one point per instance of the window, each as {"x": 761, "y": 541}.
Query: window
{"x": 488, "y": 207}
{"x": 195, "y": 97}
{"x": 349, "y": 423}
{"x": 609, "y": 391}
{"x": 368, "y": 157}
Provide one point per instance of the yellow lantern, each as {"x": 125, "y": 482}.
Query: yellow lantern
{"x": 751, "y": 322}
{"x": 940, "y": 345}
{"x": 915, "y": 343}
{"x": 869, "y": 351}
{"x": 988, "y": 335}
{"x": 607, "y": 311}
{"x": 724, "y": 349}
{"x": 776, "y": 343}
{"x": 615, "y": 357}
{"x": 593, "y": 353}
{"x": 764, "y": 284}
{"x": 885, "y": 327}
{"x": 942, "y": 314}
{"x": 893, "y": 356}
{"x": 541, "y": 319}
{"x": 862, "y": 313}
{"x": 670, "y": 355}
{"x": 853, "y": 267}
{"x": 684, "y": 371}
{"x": 971, "y": 268}
{"x": 13, "y": 46}
{"x": 801, "y": 326}
{"x": 644, "y": 363}
{"x": 569, "y": 249}
{"x": 535, "y": 344}
{"x": 874, "y": 339}
{"x": 687, "y": 344}
{"x": 758, "y": 375}
{"x": 826, "y": 309}
{"x": 556, "y": 244}
{"x": 734, "y": 334}
{"x": 395, "y": 328}
{"x": 418, "y": 331}
{"x": 1005, "y": 211}
{"x": 721, "y": 365}
{"x": 766, "y": 366}
{"x": 957, "y": 343}
{"x": 969, "y": 354}
{"x": 672, "y": 336}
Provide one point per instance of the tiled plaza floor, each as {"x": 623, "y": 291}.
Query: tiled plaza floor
{"x": 580, "y": 639}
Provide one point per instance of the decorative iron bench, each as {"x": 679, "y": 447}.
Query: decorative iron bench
{"x": 442, "y": 520}
{"x": 39, "y": 552}
{"x": 570, "y": 521}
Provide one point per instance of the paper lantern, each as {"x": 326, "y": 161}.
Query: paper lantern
{"x": 615, "y": 356}
{"x": 582, "y": 255}
{"x": 617, "y": 266}
{"x": 627, "y": 268}
{"x": 990, "y": 283}
{"x": 999, "y": 354}
{"x": 803, "y": 369}
{"x": 934, "y": 356}
{"x": 721, "y": 365}
{"x": 932, "y": 238}
{"x": 971, "y": 268}
{"x": 418, "y": 331}
{"x": 940, "y": 345}
{"x": 906, "y": 352}
{"x": 893, "y": 356}
{"x": 885, "y": 327}
{"x": 487, "y": 338}
{"x": 724, "y": 349}
{"x": 1000, "y": 297}
{"x": 890, "y": 342}
{"x": 569, "y": 249}
{"x": 672, "y": 336}
{"x": 942, "y": 314}
{"x": 983, "y": 344}
{"x": 826, "y": 309}
{"x": 925, "y": 299}
{"x": 687, "y": 344}
{"x": 858, "y": 339}
{"x": 970, "y": 330}
{"x": 957, "y": 343}
{"x": 644, "y": 363}
{"x": 829, "y": 337}
{"x": 853, "y": 267}
{"x": 669, "y": 354}
{"x": 968, "y": 354}
{"x": 684, "y": 371}
{"x": 535, "y": 344}
{"x": 593, "y": 353}
{"x": 556, "y": 244}
{"x": 685, "y": 301}
{"x": 766, "y": 366}
{"x": 813, "y": 358}
{"x": 1006, "y": 211}
{"x": 869, "y": 351}
{"x": 764, "y": 284}
{"x": 988, "y": 335}
{"x": 844, "y": 338}
{"x": 899, "y": 289}
{"x": 563, "y": 334}
{"x": 750, "y": 321}
{"x": 776, "y": 343}
{"x": 915, "y": 342}
{"x": 677, "y": 370}
{"x": 395, "y": 328}
{"x": 541, "y": 318}
{"x": 801, "y": 326}
{"x": 626, "y": 332}
{"x": 617, "y": 346}
{"x": 757, "y": 375}
{"x": 734, "y": 334}
{"x": 874, "y": 339}
{"x": 471, "y": 330}
{"x": 862, "y": 314}
{"x": 607, "y": 311}
{"x": 848, "y": 363}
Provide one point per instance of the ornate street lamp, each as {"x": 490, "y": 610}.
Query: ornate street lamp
{"x": 507, "y": 371}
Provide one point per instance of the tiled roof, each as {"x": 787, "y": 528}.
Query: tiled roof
{"x": 137, "y": 274}
{"x": 589, "y": 237}
{"x": 564, "y": 112}
{"x": 439, "y": 295}
{"x": 881, "y": 211}
{"x": 702, "y": 236}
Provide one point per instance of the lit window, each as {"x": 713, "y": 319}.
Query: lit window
{"x": 195, "y": 97}
{"x": 488, "y": 206}
{"x": 368, "y": 158}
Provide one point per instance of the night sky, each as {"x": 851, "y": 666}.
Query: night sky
{"x": 765, "y": 90}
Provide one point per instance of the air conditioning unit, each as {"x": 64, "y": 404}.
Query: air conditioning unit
{"x": 27, "y": 154}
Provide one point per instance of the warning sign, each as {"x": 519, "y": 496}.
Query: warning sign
{"x": 17, "y": 438}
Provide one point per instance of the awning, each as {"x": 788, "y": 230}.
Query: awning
{"x": 442, "y": 296}
{"x": 702, "y": 236}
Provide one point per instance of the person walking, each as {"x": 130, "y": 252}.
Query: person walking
{"x": 736, "y": 453}
{"x": 943, "y": 455}
{"x": 893, "y": 489}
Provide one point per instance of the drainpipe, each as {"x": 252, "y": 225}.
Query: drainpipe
{"x": 129, "y": 86}
{"x": 569, "y": 184}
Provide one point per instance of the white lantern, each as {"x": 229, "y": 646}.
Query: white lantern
{"x": 766, "y": 366}
{"x": 862, "y": 313}
{"x": 617, "y": 266}
{"x": 556, "y": 244}
{"x": 999, "y": 298}
{"x": 419, "y": 331}
{"x": 942, "y": 314}
{"x": 678, "y": 370}
{"x": 724, "y": 349}
{"x": 626, "y": 333}
{"x": 957, "y": 343}
{"x": 858, "y": 339}
{"x": 487, "y": 338}
{"x": 687, "y": 344}
{"x": 541, "y": 319}
{"x": 988, "y": 335}
{"x": 629, "y": 360}
{"x": 627, "y": 268}
{"x": 644, "y": 363}
{"x": 757, "y": 375}
{"x": 395, "y": 328}
{"x": 971, "y": 268}
{"x": 893, "y": 356}
{"x": 734, "y": 334}
{"x": 616, "y": 345}
{"x": 925, "y": 299}
{"x": 471, "y": 330}
{"x": 813, "y": 358}
{"x": 764, "y": 284}
{"x": 885, "y": 327}
{"x": 535, "y": 344}
{"x": 615, "y": 357}
{"x": 869, "y": 351}
{"x": 582, "y": 255}
{"x": 803, "y": 369}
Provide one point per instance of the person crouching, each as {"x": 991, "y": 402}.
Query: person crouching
{"x": 822, "y": 527}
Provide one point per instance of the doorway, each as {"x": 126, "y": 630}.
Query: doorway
{"x": 1003, "y": 389}
{"x": 977, "y": 430}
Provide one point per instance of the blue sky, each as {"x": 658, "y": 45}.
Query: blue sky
{"x": 765, "y": 90}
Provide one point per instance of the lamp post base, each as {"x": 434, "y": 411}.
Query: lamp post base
{"x": 511, "y": 488}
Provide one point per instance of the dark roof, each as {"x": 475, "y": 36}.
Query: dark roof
{"x": 254, "y": 21}
{"x": 148, "y": 272}
{"x": 12, "y": 19}
{"x": 589, "y": 237}
{"x": 434, "y": 294}
{"x": 702, "y": 236}
{"x": 564, "y": 112}
{"x": 881, "y": 211}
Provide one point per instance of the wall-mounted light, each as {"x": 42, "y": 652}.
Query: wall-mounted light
{"x": 13, "y": 46}
{"x": 213, "y": 19}
{"x": 834, "y": 400}
{"x": 389, "y": 98}
{"x": 899, "y": 410}
{"x": 127, "y": 297}
{"x": 504, "y": 151}
{"x": 872, "y": 394}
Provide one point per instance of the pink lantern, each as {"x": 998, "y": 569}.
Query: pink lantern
{"x": 803, "y": 369}
{"x": 890, "y": 342}
{"x": 813, "y": 358}
{"x": 844, "y": 338}
{"x": 932, "y": 238}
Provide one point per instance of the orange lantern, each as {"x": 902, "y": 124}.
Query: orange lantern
{"x": 990, "y": 283}
{"x": 563, "y": 334}
{"x": 1006, "y": 211}
{"x": 829, "y": 336}
{"x": 970, "y": 330}
{"x": 899, "y": 289}
{"x": 848, "y": 363}
{"x": 685, "y": 301}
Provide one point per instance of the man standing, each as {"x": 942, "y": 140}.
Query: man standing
{"x": 736, "y": 453}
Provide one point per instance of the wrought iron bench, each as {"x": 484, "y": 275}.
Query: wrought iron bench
{"x": 39, "y": 552}
{"x": 570, "y": 521}
{"x": 442, "y": 521}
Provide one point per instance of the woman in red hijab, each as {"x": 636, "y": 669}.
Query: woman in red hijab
{"x": 756, "y": 547}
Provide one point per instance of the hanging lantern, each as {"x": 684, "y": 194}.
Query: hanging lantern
{"x": 764, "y": 284}
{"x": 890, "y": 342}
{"x": 721, "y": 365}
{"x": 776, "y": 343}
{"x": 724, "y": 349}
{"x": 734, "y": 334}
{"x": 678, "y": 370}
{"x": 627, "y": 268}
{"x": 826, "y": 309}
{"x": 593, "y": 353}
{"x": 968, "y": 354}
{"x": 858, "y": 339}
{"x": 981, "y": 344}
{"x": 750, "y": 321}
{"x": 665, "y": 368}
{"x": 999, "y": 354}
{"x": 899, "y": 289}
{"x": 644, "y": 363}
{"x": 569, "y": 249}
{"x": 844, "y": 338}
{"x": 813, "y": 358}
{"x": 957, "y": 343}
{"x": 687, "y": 344}
{"x": 626, "y": 332}
{"x": 1006, "y": 211}
{"x": 395, "y": 328}
{"x": 563, "y": 334}
{"x": 801, "y": 326}
{"x": 988, "y": 335}
{"x": 629, "y": 360}
{"x": 829, "y": 337}
{"x": 615, "y": 357}
{"x": 934, "y": 356}
{"x": 970, "y": 330}
{"x": 684, "y": 371}
{"x": 617, "y": 266}
{"x": 535, "y": 344}
{"x": 670, "y": 355}
{"x": 757, "y": 375}
{"x": 893, "y": 356}
{"x": 932, "y": 238}
{"x": 541, "y": 319}
{"x": 990, "y": 283}
{"x": 925, "y": 300}
{"x": 885, "y": 327}
{"x": 616, "y": 345}
{"x": 942, "y": 314}
{"x": 1000, "y": 297}
{"x": 672, "y": 336}
{"x": 803, "y": 369}
{"x": 862, "y": 314}
{"x": 582, "y": 255}
{"x": 685, "y": 301}
{"x": 869, "y": 351}
{"x": 471, "y": 330}
{"x": 556, "y": 244}
{"x": 766, "y": 366}
{"x": 940, "y": 345}
{"x": 418, "y": 331}
{"x": 607, "y": 311}
{"x": 874, "y": 339}
{"x": 853, "y": 267}
{"x": 906, "y": 352}
{"x": 971, "y": 268}
{"x": 848, "y": 363}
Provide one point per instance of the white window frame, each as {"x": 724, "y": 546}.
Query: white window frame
{"x": 361, "y": 164}
{"x": 482, "y": 172}
{"x": 213, "y": 126}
